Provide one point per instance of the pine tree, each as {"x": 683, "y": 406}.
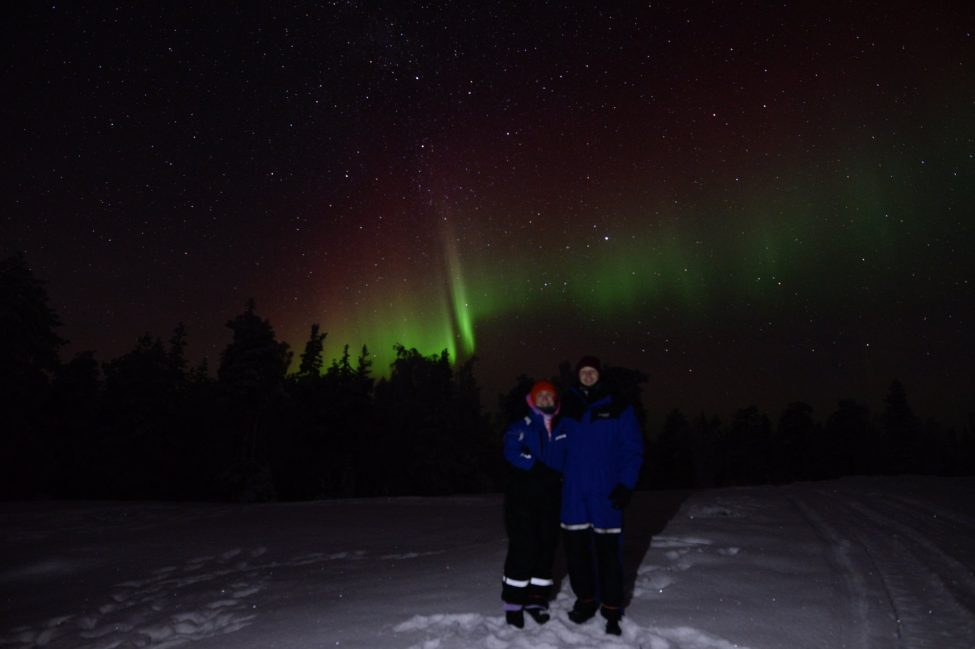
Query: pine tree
{"x": 29, "y": 347}
{"x": 311, "y": 358}
{"x": 793, "y": 444}
{"x": 748, "y": 445}
{"x": 74, "y": 407}
{"x": 363, "y": 365}
{"x": 139, "y": 401}
{"x": 847, "y": 445}
{"x": 254, "y": 364}
{"x": 177, "y": 354}
{"x": 341, "y": 368}
{"x": 29, "y": 344}
{"x": 252, "y": 371}
{"x": 199, "y": 374}
{"x": 706, "y": 451}
{"x": 901, "y": 430}
{"x": 671, "y": 461}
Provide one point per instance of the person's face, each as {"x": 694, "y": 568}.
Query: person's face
{"x": 544, "y": 399}
{"x": 588, "y": 376}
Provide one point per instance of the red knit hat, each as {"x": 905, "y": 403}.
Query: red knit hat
{"x": 543, "y": 386}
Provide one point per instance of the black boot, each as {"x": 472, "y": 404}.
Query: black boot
{"x": 582, "y": 611}
{"x": 540, "y": 615}
{"x": 515, "y": 618}
{"x": 613, "y": 615}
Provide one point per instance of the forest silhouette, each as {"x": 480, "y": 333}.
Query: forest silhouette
{"x": 149, "y": 425}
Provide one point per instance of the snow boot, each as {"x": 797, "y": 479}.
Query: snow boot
{"x": 582, "y": 611}
{"x": 515, "y": 618}
{"x": 613, "y": 627}
{"x": 540, "y": 615}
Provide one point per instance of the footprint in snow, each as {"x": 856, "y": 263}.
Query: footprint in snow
{"x": 173, "y": 605}
{"x": 682, "y": 553}
{"x": 474, "y": 631}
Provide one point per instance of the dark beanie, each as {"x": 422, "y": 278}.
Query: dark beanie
{"x": 589, "y": 361}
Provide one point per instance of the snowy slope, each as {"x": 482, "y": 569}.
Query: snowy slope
{"x": 867, "y": 562}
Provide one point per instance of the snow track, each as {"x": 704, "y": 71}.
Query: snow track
{"x": 918, "y": 564}
{"x": 866, "y": 606}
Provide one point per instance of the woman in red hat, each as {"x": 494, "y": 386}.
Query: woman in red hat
{"x": 532, "y": 503}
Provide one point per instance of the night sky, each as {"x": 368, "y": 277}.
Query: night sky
{"x": 752, "y": 203}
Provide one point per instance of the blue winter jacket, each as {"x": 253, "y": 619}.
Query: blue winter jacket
{"x": 527, "y": 441}
{"x": 605, "y": 448}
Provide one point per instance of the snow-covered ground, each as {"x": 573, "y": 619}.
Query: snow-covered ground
{"x": 865, "y": 562}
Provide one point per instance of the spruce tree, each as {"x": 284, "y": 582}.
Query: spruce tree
{"x": 902, "y": 430}
{"x": 311, "y": 358}
{"x": 254, "y": 364}
{"x": 252, "y": 372}
{"x": 29, "y": 346}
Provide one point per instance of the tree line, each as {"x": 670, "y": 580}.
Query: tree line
{"x": 148, "y": 424}
{"x": 751, "y": 449}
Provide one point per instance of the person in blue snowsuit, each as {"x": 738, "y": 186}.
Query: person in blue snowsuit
{"x": 535, "y": 452}
{"x": 603, "y": 459}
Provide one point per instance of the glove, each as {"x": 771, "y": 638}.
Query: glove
{"x": 620, "y": 496}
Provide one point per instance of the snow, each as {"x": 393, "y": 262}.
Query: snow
{"x": 860, "y": 562}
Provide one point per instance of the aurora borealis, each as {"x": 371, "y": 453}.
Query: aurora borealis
{"x": 749, "y": 203}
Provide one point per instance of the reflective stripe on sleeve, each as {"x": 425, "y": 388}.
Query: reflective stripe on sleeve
{"x": 537, "y": 581}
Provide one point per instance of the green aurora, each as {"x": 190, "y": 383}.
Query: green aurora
{"x": 813, "y": 241}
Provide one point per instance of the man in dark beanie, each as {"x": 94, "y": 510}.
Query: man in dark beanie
{"x": 603, "y": 458}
